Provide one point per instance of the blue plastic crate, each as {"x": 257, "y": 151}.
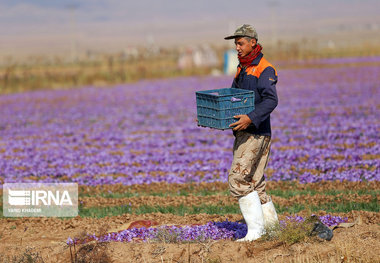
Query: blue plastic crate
{"x": 216, "y": 108}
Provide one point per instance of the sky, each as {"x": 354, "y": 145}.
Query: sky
{"x": 48, "y": 26}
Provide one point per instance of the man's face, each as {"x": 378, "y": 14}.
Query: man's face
{"x": 243, "y": 46}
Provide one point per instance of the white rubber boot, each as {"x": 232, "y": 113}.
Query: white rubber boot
{"x": 250, "y": 207}
{"x": 270, "y": 215}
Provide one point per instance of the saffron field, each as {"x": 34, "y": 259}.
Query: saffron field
{"x": 137, "y": 154}
{"x": 326, "y": 127}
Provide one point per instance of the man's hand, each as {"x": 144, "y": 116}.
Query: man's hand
{"x": 242, "y": 124}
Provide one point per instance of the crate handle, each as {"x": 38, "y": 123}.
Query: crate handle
{"x": 234, "y": 99}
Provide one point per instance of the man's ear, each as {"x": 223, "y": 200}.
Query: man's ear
{"x": 253, "y": 42}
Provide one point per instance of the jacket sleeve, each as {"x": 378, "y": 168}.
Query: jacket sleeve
{"x": 267, "y": 90}
{"x": 233, "y": 85}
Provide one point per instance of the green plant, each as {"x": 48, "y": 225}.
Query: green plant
{"x": 295, "y": 232}
{"x": 291, "y": 231}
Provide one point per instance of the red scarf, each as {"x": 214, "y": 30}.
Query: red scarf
{"x": 247, "y": 60}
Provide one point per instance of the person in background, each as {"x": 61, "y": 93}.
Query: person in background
{"x": 253, "y": 134}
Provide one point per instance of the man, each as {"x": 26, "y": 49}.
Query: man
{"x": 253, "y": 134}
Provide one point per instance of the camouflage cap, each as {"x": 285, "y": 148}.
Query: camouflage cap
{"x": 244, "y": 31}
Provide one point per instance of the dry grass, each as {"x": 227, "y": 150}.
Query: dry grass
{"x": 19, "y": 78}
{"x": 93, "y": 251}
{"x": 292, "y": 231}
{"x": 29, "y": 255}
{"x": 115, "y": 69}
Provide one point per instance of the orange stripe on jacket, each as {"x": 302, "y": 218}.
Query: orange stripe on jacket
{"x": 257, "y": 70}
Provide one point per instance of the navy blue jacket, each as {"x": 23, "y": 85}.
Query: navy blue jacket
{"x": 261, "y": 77}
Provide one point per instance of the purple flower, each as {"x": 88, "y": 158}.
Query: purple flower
{"x": 93, "y": 136}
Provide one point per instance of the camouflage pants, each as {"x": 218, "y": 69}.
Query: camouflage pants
{"x": 251, "y": 154}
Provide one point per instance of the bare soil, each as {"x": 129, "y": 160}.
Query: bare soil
{"x": 47, "y": 236}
